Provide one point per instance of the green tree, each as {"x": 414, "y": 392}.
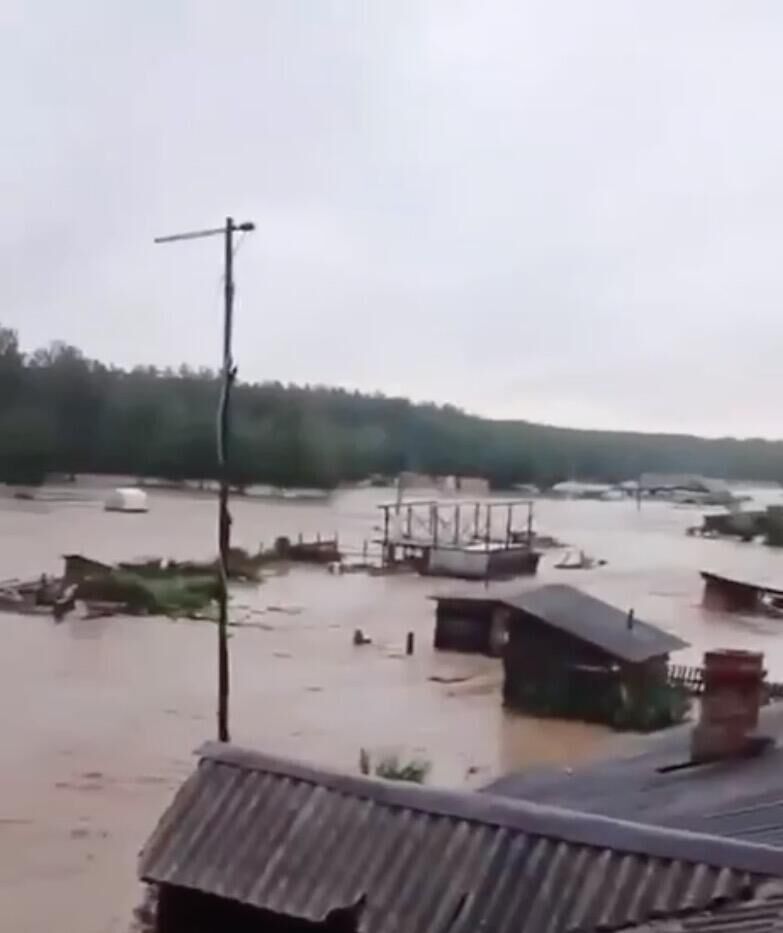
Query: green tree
{"x": 60, "y": 411}
{"x": 28, "y": 446}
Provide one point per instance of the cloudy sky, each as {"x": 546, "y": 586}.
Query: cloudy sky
{"x": 560, "y": 211}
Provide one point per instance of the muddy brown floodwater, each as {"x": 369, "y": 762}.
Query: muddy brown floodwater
{"x": 100, "y": 718}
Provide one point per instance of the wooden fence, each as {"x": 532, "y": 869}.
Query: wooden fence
{"x": 692, "y": 679}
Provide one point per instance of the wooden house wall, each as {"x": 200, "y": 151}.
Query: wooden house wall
{"x": 548, "y": 671}
{"x": 464, "y": 625}
{"x": 532, "y": 642}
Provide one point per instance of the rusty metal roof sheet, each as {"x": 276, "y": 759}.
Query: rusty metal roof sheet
{"x": 295, "y": 840}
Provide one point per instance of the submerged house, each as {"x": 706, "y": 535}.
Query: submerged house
{"x": 568, "y": 654}
{"x": 728, "y": 594}
{"x": 574, "y": 489}
{"x": 721, "y": 776}
{"x": 255, "y": 843}
{"x": 686, "y": 488}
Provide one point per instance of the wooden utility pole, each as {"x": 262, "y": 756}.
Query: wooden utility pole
{"x": 224, "y": 518}
{"x": 223, "y": 435}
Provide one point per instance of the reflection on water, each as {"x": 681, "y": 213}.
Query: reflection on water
{"x": 100, "y": 717}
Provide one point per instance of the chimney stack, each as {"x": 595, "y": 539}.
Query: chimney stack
{"x": 733, "y": 694}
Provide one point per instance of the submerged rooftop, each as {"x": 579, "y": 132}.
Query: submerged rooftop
{"x": 588, "y": 618}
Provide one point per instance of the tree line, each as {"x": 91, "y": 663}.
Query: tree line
{"x": 61, "y": 412}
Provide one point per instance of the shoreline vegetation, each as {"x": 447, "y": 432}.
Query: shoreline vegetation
{"x": 61, "y": 412}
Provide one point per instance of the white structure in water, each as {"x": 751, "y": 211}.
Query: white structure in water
{"x": 127, "y": 499}
{"x": 475, "y": 539}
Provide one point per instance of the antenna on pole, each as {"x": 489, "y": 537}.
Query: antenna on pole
{"x": 223, "y": 434}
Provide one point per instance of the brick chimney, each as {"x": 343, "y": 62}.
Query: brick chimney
{"x": 733, "y": 693}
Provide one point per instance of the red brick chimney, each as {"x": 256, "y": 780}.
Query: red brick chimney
{"x": 733, "y": 693}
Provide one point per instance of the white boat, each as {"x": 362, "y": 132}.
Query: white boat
{"x": 127, "y": 499}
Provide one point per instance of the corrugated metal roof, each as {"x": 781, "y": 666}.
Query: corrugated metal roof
{"x": 595, "y": 621}
{"x": 740, "y": 798}
{"x": 295, "y": 840}
{"x": 762, "y": 914}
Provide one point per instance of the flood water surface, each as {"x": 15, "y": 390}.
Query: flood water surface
{"x": 100, "y": 717}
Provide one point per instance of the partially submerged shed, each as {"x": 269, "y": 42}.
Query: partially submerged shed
{"x": 567, "y": 654}
{"x": 572, "y": 655}
{"x": 79, "y": 568}
{"x": 728, "y": 594}
{"x": 254, "y": 843}
{"x": 470, "y": 623}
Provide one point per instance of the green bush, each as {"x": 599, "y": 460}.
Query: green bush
{"x": 391, "y": 768}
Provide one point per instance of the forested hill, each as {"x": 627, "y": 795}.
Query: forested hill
{"x": 60, "y": 412}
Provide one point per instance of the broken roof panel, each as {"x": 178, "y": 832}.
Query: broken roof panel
{"x": 596, "y": 622}
{"x": 299, "y": 841}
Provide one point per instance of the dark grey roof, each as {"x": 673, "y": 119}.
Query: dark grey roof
{"x": 763, "y": 913}
{"x": 595, "y": 621}
{"x": 741, "y": 798}
{"x": 292, "y": 839}
{"x": 707, "y": 576}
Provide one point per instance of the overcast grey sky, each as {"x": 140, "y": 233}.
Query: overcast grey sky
{"x": 560, "y": 211}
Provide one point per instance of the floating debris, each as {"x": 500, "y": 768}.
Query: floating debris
{"x": 320, "y": 551}
{"x": 578, "y": 560}
{"x": 105, "y": 590}
{"x": 152, "y": 585}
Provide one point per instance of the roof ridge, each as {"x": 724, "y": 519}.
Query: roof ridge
{"x": 572, "y": 826}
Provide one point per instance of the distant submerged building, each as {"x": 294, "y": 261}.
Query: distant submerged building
{"x": 575, "y": 489}
{"x": 687, "y": 488}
